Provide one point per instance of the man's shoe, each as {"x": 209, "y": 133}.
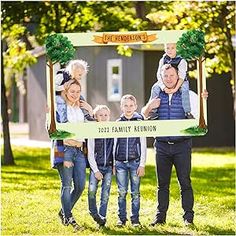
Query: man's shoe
{"x": 120, "y": 223}
{"x": 188, "y": 223}
{"x": 188, "y": 115}
{"x": 158, "y": 222}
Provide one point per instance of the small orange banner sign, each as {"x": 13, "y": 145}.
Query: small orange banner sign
{"x": 124, "y": 38}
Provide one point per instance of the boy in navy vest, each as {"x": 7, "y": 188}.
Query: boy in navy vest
{"x": 100, "y": 157}
{"x": 130, "y": 158}
{"x": 181, "y": 65}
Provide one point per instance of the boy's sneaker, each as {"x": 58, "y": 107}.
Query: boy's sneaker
{"x": 62, "y": 217}
{"x": 153, "y": 116}
{"x": 100, "y": 220}
{"x": 136, "y": 223}
{"x": 120, "y": 223}
{"x": 188, "y": 115}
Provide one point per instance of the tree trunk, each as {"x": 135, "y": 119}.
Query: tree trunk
{"x": 202, "y": 123}
{"x": 52, "y": 127}
{"x": 8, "y": 158}
{"x": 140, "y": 10}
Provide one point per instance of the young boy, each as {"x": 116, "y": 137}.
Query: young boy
{"x": 130, "y": 158}
{"x": 100, "y": 157}
{"x": 179, "y": 63}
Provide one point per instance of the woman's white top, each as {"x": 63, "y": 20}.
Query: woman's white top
{"x": 74, "y": 115}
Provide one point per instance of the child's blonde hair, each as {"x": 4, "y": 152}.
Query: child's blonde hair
{"x": 128, "y": 96}
{"x": 74, "y": 64}
{"x": 99, "y": 108}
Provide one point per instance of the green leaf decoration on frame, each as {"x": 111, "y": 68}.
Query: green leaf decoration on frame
{"x": 61, "y": 134}
{"x": 191, "y": 45}
{"x": 59, "y": 48}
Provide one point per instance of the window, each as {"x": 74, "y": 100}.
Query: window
{"x": 114, "y": 80}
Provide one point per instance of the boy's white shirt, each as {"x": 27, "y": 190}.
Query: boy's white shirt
{"x": 91, "y": 158}
{"x": 143, "y": 142}
{"x": 182, "y": 71}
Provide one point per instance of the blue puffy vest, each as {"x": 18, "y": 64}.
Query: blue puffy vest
{"x": 128, "y": 149}
{"x": 103, "y": 152}
{"x": 172, "y": 111}
{"x": 173, "y": 61}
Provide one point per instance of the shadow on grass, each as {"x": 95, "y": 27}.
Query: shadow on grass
{"x": 220, "y": 181}
{"x": 218, "y": 231}
{"x": 129, "y": 230}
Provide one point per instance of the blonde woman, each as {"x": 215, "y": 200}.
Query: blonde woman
{"x": 71, "y": 167}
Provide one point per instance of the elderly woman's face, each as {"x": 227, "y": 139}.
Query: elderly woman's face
{"x": 73, "y": 93}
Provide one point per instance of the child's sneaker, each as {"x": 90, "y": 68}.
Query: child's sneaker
{"x": 153, "y": 116}
{"x": 188, "y": 115}
{"x": 100, "y": 220}
{"x": 136, "y": 223}
{"x": 120, "y": 223}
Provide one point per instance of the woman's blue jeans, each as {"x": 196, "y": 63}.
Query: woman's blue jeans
{"x": 105, "y": 191}
{"x": 75, "y": 174}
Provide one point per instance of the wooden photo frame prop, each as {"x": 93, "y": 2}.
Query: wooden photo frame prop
{"x": 112, "y": 129}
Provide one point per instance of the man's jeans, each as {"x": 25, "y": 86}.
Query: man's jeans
{"x": 77, "y": 174}
{"x": 179, "y": 155}
{"x": 124, "y": 172}
{"x": 105, "y": 191}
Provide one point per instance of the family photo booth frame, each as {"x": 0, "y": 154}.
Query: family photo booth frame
{"x": 113, "y": 129}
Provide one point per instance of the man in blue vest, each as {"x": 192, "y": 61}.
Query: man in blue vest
{"x": 171, "y": 150}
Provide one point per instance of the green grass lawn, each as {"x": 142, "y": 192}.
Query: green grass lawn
{"x": 31, "y": 191}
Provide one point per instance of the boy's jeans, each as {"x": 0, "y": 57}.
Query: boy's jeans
{"x": 124, "y": 172}
{"x": 185, "y": 96}
{"x": 105, "y": 191}
{"x": 77, "y": 174}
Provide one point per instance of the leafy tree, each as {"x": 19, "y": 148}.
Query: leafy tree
{"x": 191, "y": 47}
{"x": 15, "y": 59}
{"x": 58, "y": 49}
{"x": 57, "y": 17}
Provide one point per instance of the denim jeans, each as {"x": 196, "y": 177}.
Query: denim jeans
{"x": 105, "y": 191}
{"x": 179, "y": 155}
{"x": 126, "y": 171}
{"x": 185, "y": 96}
{"x": 77, "y": 174}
